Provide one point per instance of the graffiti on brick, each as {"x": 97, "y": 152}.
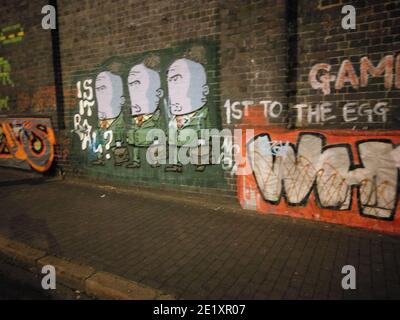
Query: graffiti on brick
{"x": 4, "y": 104}
{"x": 395, "y": 154}
{"x": 236, "y": 110}
{"x": 5, "y": 81}
{"x": 145, "y": 94}
{"x": 187, "y": 101}
{"x": 328, "y": 170}
{"x": 11, "y": 34}
{"x": 344, "y": 176}
{"x": 172, "y": 98}
{"x": 27, "y": 140}
{"x": 5, "y": 71}
{"x": 321, "y": 78}
{"x": 313, "y": 113}
{"x": 110, "y": 99}
{"x": 351, "y": 112}
{"x": 85, "y": 94}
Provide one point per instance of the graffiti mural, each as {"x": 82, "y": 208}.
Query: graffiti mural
{"x": 340, "y": 176}
{"x": 236, "y": 110}
{"x": 11, "y": 34}
{"x": 110, "y": 98}
{"x": 321, "y": 79}
{"x": 4, "y": 103}
{"x": 5, "y": 81}
{"x": 145, "y": 92}
{"x": 188, "y": 90}
{"x": 85, "y": 94}
{"x": 353, "y": 77}
{"x": 27, "y": 143}
{"x": 5, "y": 71}
{"x": 143, "y": 116}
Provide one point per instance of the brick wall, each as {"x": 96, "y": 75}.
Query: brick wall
{"x": 270, "y": 65}
{"x": 92, "y": 34}
{"x": 323, "y": 41}
{"x": 26, "y": 52}
{"x": 249, "y": 35}
{"x": 337, "y": 158}
{"x": 253, "y": 61}
{"x": 28, "y": 113}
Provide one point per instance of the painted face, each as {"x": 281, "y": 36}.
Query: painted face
{"x": 187, "y": 86}
{"x": 144, "y": 89}
{"x": 109, "y": 95}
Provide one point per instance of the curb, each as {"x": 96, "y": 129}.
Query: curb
{"x": 97, "y": 284}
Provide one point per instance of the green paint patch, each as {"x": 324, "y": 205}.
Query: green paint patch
{"x": 11, "y": 34}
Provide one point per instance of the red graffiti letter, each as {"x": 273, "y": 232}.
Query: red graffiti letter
{"x": 324, "y": 81}
{"x": 384, "y": 66}
{"x": 346, "y": 74}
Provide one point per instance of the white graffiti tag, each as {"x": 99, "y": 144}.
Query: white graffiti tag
{"x": 329, "y": 172}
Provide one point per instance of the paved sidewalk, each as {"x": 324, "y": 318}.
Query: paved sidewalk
{"x": 192, "y": 251}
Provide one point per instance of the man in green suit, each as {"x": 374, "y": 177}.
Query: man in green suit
{"x": 111, "y": 126}
{"x": 188, "y": 90}
{"x": 145, "y": 93}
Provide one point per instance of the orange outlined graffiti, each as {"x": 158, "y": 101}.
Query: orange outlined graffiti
{"x": 31, "y": 140}
{"x": 340, "y": 176}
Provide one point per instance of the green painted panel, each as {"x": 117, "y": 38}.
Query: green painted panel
{"x": 119, "y": 101}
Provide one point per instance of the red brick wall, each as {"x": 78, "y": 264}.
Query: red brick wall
{"x": 268, "y": 54}
{"x": 29, "y": 56}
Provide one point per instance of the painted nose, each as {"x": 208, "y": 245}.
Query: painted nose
{"x": 136, "y": 108}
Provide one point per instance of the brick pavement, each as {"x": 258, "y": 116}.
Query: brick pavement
{"x": 192, "y": 251}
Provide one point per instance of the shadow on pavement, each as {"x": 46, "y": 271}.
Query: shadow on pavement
{"x": 30, "y": 181}
{"x": 39, "y": 232}
{"x": 11, "y": 289}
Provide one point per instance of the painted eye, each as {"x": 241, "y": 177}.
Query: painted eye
{"x": 134, "y": 83}
{"x": 175, "y": 78}
{"x": 101, "y": 88}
